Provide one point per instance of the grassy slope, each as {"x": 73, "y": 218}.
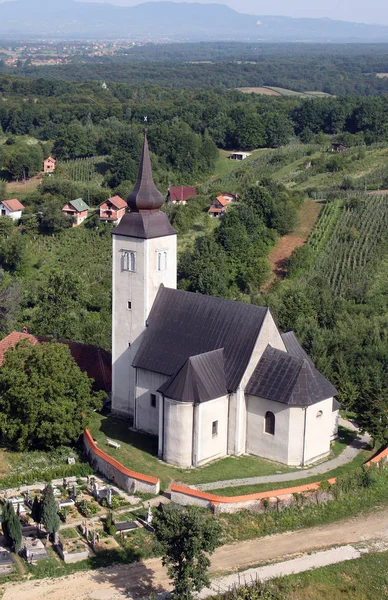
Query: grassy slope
{"x": 361, "y": 579}
{"x": 139, "y": 452}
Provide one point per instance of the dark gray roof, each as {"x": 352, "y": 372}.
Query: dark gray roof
{"x": 201, "y": 378}
{"x": 182, "y": 324}
{"x": 293, "y": 346}
{"x": 145, "y": 195}
{"x": 288, "y": 379}
{"x": 145, "y": 225}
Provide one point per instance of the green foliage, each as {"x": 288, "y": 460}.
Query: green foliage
{"x": 246, "y": 524}
{"x": 14, "y": 256}
{"x": 50, "y": 517}
{"x": 267, "y": 590}
{"x": 87, "y": 509}
{"x": 109, "y": 525}
{"x": 187, "y": 537}
{"x": 336, "y": 300}
{"x": 45, "y": 399}
{"x": 7, "y": 226}
{"x": 11, "y": 526}
{"x": 36, "y": 511}
{"x": 23, "y": 159}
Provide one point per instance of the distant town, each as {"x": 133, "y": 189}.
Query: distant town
{"x": 46, "y": 53}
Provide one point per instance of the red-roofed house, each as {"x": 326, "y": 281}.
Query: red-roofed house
{"x": 180, "y": 194}
{"x": 49, "y": 165}
{"x": 219, "y": 206}
{"x": 11, "y": 208}
{"x": 94, "y": 361}
{"x": 113, "y": 209}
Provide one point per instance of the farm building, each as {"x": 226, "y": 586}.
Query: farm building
{"x": 209, "y": 377}
{"x": 11, "y": 208}
{"x": 49, "y": 165}
{"x": 77, "y": 210}
{"x": 181, "y": 194}
{"x": 239, "y": 155}
{"x": 112, "y": 210}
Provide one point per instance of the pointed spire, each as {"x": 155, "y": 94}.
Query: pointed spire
{"x": 145, "y": 195}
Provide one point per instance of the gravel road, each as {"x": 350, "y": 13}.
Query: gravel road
{"x": 139, "y": 579}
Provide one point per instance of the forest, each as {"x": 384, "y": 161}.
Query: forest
{"x": 57, "y": 280}
{"x": 338, "y": 69}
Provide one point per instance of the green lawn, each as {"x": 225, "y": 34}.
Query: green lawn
{"x": 360, "y": 459}
{"x": 362, "y": 579}
{"x": 139, "y": 452}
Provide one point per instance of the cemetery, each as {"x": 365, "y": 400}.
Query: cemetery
{"x": 91, "y": 517}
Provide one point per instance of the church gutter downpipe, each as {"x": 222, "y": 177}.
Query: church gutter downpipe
{"x": 304, "y": 436}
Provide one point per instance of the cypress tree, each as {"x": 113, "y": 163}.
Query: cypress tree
{"x": 14, "y": 528}
{"x": 36, "y": 511}
{"x": 5, "y": 519}
{"x": 50, "y": 517}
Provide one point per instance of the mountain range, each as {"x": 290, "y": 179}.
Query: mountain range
{"x": 172, "y": 21}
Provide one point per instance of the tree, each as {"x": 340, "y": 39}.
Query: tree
{"x": 36, "y": 511}
{"x": 58, "y": 305}
{"x": 187, "y": 537}
{"x": 50, "y": 517}
{"x": 205, "y": 268}
{"x": 24, "y": 160}
{"x": 11, "y": 526}
{"x": 45, "y": 399}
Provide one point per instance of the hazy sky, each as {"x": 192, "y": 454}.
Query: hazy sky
{"x": 372, "y": 11}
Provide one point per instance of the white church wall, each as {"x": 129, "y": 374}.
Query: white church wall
{"x": 260, "y": 443}
{"x": 210, "y": 446}
{"x": 319, "y": 427}
{"x": 269, "y": 334}
{"x": 178, "y": 433}
{"x": 232, "y": 438}
{"x": 146, "y": 415}
{"x": 168, "y": 275}
{"x": 127, "y": 324}
{"x": 140, "y": 289}
{"x": 335, "y": 422}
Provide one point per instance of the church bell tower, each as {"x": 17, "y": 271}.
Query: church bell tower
{"x": 144, "y": 257}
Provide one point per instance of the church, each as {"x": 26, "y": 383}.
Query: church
{"x": 209, "y": 377}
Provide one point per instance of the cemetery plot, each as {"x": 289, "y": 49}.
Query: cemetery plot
{"x": 95, "y": 518}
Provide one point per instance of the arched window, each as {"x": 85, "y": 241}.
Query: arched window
{"x": 128, "y": 260}
{"x": 161, "y": 260}
{"x": 270, "y": 423}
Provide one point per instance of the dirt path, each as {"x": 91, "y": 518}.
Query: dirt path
{"x": 139, "y": 579}
{"x": 286, "y": 245}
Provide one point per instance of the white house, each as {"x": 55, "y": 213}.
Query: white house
{"x": 209, "y": 377}
{"x": 11, "y": 208}
{"x": 239, "y": 155}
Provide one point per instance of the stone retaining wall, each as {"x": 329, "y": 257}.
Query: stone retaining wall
{"x": 262, "y": 501}
{"x": 112, "y": 469}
